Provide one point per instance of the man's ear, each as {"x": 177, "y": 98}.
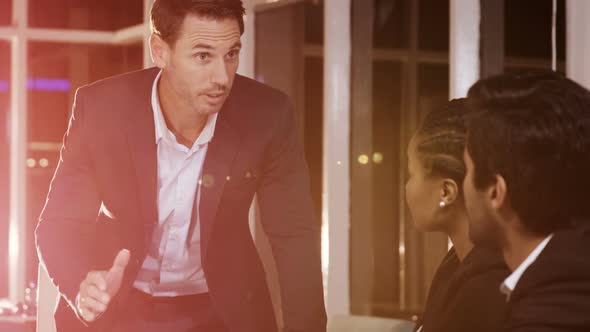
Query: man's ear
{"x": 497, "y": 193}
{"x": 159, "y": 50}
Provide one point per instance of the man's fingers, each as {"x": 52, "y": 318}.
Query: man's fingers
{"x": 87, "y": 315}
{"x": 98, "y": 279}
{"x": 92, "y": 306}
{"x": 98, "y": 288}
{"x": 92, "y": 292}
{"x": 121, "y": 261}
{"x": 92, "y": 302}
{"x": 93, "y": 296}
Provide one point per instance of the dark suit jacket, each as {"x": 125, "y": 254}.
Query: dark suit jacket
{"x": 553, "y": 294}
{"x": 465, "y": 296}
{"x": 103, "y": 198}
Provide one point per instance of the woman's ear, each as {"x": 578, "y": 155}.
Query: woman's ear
{"x": 449, "y": 191}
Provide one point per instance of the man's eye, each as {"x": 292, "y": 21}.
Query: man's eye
{"x": 233, "y": 54}
{"x": 202, "y": 56}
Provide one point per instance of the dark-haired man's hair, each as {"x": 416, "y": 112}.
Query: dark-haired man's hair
{"x": 533, "y": 129}
{"x": 167, "y": 16}
{"x": 439, "y": 141}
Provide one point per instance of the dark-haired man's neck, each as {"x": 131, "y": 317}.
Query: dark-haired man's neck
{"x": 181, "y": 120}
{"x": 458, "y": 232}
{"x": 519, "y": 244}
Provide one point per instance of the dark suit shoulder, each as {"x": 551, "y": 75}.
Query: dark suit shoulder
{"x": 564, "y": 258}
{"x": 248, "y": 88}
{"x": 257, "y": 109}
{"x": 120, "y": 83}
{"x": 112, "y": 100}
{"x": 564, "y": 241}
{"x": 555, "y": 289}
{"x": 125, "y": 90}
{"x": 260, "y": 100}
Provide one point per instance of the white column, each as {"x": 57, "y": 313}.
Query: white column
{"x": 147, "y": 58}
{"x": 336, "y": 160}
{"x": 247, "y": 56}
{"x": 464, "y": 46}
{"x": 578, "y": 41}
{"x": 18, "y": 230}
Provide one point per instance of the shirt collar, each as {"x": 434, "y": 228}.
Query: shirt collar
{"x": 160, "y": 123}
{"x": 161, "y": 128}
{"x": 509, "y": 283}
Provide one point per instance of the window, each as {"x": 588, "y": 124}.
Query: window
{"x": 387, "y": 115}
{"x": 107, "y": 15}
{"x": 391, "y": 24}
{"x": 5, "y": 12}
{"x": 524, "y": 19}
{"x": 54, "y": 70}
{"x": 410, "y": 78}
{"x": 405, "y": 82}
{"x": 432, "y": 20}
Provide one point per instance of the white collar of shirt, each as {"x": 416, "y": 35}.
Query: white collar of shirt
{"x": 161, "y": 128}
{"x": 509, "y": 283}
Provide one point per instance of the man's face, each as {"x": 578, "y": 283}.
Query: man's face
{"x": 201, "y": 65}
{"x": 484, "y": 228}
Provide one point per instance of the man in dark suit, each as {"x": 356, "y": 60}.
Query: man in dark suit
{"x": 527, "y": 158}
{"x": 146, "y": 222}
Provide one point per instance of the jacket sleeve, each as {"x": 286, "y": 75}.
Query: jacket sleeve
{"x": 64, "y": 235}
{"x": 294, "y": 233}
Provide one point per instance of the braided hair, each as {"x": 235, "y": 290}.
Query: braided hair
{"x": 440, "y": 139}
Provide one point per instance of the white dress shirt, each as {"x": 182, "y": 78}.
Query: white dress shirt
{"x": 172, "y": 267}
{"x": 510, "y": 283}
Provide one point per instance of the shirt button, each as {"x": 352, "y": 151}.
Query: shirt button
{"x": 173, "y": 234}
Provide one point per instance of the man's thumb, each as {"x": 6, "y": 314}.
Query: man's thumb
{"x": 120, "y": 262}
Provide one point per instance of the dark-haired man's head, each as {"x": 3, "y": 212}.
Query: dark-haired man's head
{"x": 167, "y": 16}
{"x": 527, "y": 155}
{"x": 197, "y": 45}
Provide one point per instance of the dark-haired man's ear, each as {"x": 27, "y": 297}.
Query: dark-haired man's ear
{"x": 449, "y": 191}
{"x": 497, "y": 193}
{"x": 159, "y": 51}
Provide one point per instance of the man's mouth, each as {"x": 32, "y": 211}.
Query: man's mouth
{"x": 215, "y": 97}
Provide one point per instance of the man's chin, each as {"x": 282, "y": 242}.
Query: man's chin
{"x": 208, "y": 110}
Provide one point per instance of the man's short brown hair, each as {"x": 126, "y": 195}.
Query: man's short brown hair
{"x": 167, "y": 16}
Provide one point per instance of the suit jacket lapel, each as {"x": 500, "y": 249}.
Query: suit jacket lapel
{"x": 142, "y": 143}
{"x": 220, "y": 155}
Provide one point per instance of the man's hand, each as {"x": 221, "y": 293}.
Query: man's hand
{"x": 99, "y": 287}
